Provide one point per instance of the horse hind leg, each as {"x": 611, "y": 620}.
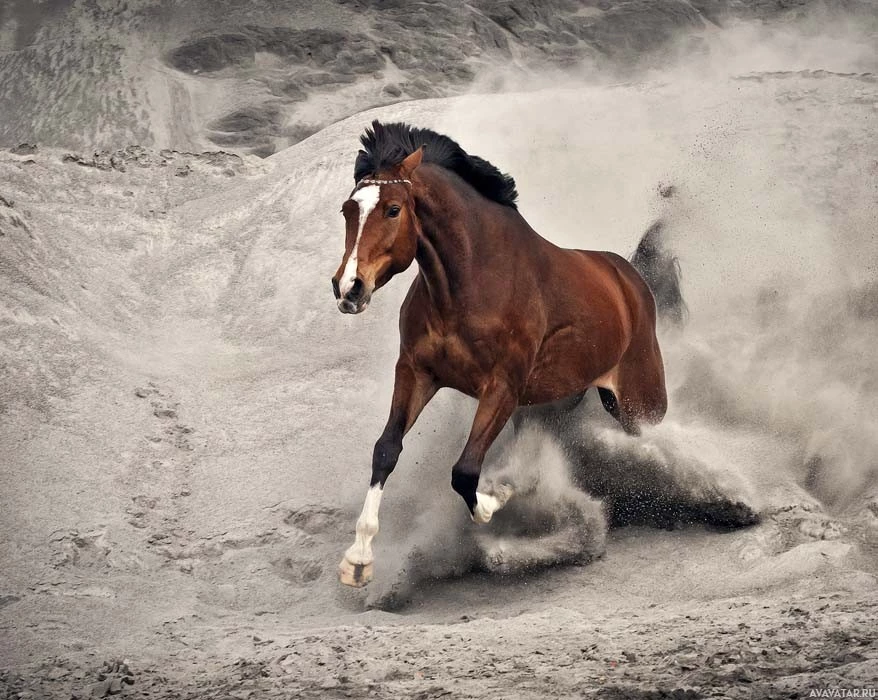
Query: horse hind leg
{"x": 611, "y": 405}
{"x": 626, "y": 418}
{"x": 637, "y": 395}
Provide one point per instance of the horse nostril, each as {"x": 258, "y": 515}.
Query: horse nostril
{"x": 335, "y": 289}
{"x": 356, "y": 291}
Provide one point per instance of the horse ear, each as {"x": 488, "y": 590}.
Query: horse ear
{"x": 412, "y": 161}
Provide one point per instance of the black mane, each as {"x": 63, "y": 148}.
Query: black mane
{"x": 386, "y": 145}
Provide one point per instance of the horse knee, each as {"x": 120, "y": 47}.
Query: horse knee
{"x": 384, "y": 457}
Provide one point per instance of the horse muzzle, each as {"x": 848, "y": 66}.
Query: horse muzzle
{"x": 351, "y": 307}
{"x": 355, "y": 299}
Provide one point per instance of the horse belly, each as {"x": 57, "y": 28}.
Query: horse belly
{"x": 569, "y": 366}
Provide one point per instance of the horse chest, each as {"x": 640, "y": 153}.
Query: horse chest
{"x": 455, "y": 362}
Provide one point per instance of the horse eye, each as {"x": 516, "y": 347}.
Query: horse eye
{"x": 393, "y": 212}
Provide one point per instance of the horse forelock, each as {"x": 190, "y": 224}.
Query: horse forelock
{"x": 385, "y": 146}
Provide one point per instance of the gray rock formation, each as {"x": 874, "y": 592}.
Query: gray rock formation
{"x": 260, "y": 76}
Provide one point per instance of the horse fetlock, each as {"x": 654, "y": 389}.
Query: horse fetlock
{"x": 486, "y": 506}
{"x": 465, "y": 484}
{"x": 368, "y": 527}
{"x": 359, "y": 554}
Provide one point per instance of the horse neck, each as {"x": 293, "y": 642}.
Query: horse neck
{"x": 447, "y": 243}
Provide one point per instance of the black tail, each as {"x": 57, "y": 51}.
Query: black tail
{"x": 661, "y": 270}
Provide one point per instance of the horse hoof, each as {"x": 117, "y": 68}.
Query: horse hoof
{"x": 355, "y": 575}
{"x": 487, "y": 504}
{"x": 485, "y": 507}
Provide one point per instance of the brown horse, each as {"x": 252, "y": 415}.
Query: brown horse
{"x": 496, "y": 311}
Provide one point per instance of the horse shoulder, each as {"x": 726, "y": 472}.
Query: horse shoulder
{"x": 420, "y": 333}
{"x": 413, "y": 313}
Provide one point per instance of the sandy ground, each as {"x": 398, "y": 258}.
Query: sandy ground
{"x": 187, "y": 421}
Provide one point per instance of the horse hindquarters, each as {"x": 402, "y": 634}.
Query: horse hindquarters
{"x": 633, "y": 392}
{"x": 636, "y": 393}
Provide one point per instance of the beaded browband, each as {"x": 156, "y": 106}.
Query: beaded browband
{"x": 369, "y": 181}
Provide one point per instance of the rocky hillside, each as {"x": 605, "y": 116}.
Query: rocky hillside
{"x": 259, "y": 76}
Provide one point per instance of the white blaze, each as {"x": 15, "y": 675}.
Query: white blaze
{"x": 366, "y": 197}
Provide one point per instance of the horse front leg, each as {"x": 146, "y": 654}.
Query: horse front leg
{"x": 495, "y": 407}
{"x": 412, "y": 390}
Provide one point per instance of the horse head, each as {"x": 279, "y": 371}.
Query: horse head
{"x": 381, "y": 234}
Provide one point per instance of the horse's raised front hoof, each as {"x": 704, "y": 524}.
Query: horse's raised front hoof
{"x": 488, "y": 504}
{"x": 485, "y": 507}
{"x": 356, "y": 575}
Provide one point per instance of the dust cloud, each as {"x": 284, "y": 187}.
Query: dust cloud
{"x": 427, "y": 532}
{"x": 773, "y": 383}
